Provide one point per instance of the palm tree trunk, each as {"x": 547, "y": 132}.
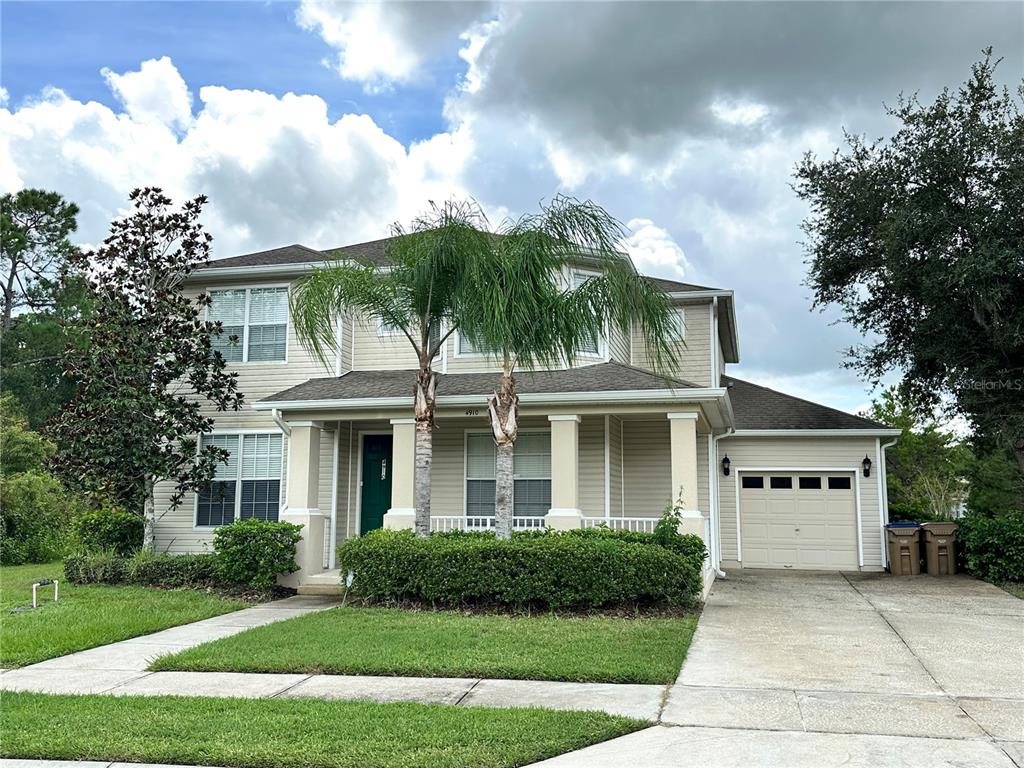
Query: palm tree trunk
{"x": 503, "y": 411}
{"x": 426, "y": 408}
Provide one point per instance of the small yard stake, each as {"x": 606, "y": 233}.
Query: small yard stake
{"x": 349, "y": 578}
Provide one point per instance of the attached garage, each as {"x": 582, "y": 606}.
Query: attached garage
{"x": 799, "y": 519}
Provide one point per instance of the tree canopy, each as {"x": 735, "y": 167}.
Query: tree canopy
{"x": 919, "y": 240}
{"x": 147, "y": 377}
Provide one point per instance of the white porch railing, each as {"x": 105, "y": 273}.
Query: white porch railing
{"x": 640, "y": 524}
{"x": 480, "y": 523}
{"x": 707, "y": 544}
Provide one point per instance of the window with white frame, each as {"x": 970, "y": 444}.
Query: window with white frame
{"x": 466, "y": 347}
{"x": 531, "y": 487}
{"x": 248, "y": 485}
{"x": 384, "y": 328}
{"x": 590, "y": 346}
{"x": 255, "y": 322}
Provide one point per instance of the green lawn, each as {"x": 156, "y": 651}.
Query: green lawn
{"x": 87, "y": 616}
{"x": 383, "y": 641}
{"x": 278, "y": 733}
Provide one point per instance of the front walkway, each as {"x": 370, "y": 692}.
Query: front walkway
{"x": 807, "y": 670}
{"x": 121, "y": 669}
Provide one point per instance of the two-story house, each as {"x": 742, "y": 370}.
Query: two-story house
{"x": 769, "y": 480}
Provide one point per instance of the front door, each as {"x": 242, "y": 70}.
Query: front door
{"x": 375, "y": 482}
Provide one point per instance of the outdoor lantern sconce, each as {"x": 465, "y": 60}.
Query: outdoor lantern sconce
{"x": 725, "y": 465}
{"x": 867, "y": 466}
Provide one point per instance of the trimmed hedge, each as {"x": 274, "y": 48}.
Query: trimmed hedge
{"x": 994, "y": 546}
{"x": 248, "y": 554}
{"x": 549, "y": 570}
{"x": 144, "y": 569}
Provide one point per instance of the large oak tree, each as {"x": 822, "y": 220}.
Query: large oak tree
{"x": 919, "y": 240}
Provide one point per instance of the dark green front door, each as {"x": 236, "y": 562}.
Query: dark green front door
{"x": 376, "y": 493}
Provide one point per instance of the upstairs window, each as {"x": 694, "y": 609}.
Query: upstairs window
{"x": 678, "y": 320}
{"x": 589, "y": 346}
{"x": 249, "y": 485}
{"x": 384, "y": 328}
{"x": 466, "y": 347}
{"x": 255, "y": 322}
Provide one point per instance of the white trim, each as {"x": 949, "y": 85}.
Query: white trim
{"x": 359, "y": 474}
{"x": 403, "y": 421}
{"x": 307, "y": 512}
{"x": 306, "y": 423}
{"x": 815, "y": 432}
{"x": 331, "y": 554}
{"x": 348, "y": 489}
{"x": 607, "y": 469}
{"x": 694, "y": 395}
{"x": 883, "y": 497}
{"x": 338, "y": 332}
{"x": 245, "y": 321}
{"x": 263, "y": 270}
{"x": 602, "y": 340}
{"x": 687, "y": 415}
{"x": 844, "y": 470}
{"x": 564, "y": 417}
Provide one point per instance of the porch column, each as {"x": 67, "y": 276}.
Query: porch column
{"x": 684, "y": 471}
{"x": 565, "y": 473}
{"x": 402, "y": 513}
{"x": 303, "y": 499}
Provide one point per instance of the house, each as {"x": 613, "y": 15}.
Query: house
{"x": 767, "y": 479}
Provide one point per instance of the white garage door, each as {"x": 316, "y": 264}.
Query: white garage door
{"x": 798, "y": 520}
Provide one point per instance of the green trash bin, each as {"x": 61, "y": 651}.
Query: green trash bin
{"x": 904, "y": 548}
{"x": 940, "y": 548}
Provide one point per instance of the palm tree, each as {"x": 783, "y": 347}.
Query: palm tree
{"x": 426, "y": 288}
{"x": 528, "y": 313}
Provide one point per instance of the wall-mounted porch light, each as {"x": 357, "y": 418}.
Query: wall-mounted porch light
{"x": 725, "y": 465}
{"x": 867, "y": 466}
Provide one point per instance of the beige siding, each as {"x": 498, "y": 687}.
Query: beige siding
{"x": 592, "y": 466}
{"x": 376, "y": 351}
{"x": 695, "y": 354}
{"x": 646, "y": 467}
{"x": 703, "y": 493}
{"x": 618, "y": 345}
{"x": 808, "y": 453}
{"x": 346, "y": 449}
{"x": 616, "y": 474}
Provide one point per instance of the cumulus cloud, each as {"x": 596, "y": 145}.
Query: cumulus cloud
{"x": 654, "y": 251}
{"x": 276, "y": 169}
{"x": 156, "y": 93}
{"x": 383, "y": 44}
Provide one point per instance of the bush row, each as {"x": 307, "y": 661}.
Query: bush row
{"x": 549, "y": 570}
{"x": 994, "y": 546}
{"x": 247, "y": 553}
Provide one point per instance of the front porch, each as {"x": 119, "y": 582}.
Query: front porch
{"x": 346, "y": 476}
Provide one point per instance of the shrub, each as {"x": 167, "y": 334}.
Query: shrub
{"x": 254, "y": 552}
{"x": 551, "y": 570}
{"x": 150, "y": 569}
{"x": 689, "y": 546}
{"x": 109, "y": 529}
{"x": 994, "y": 546}
{"x": 96, "y": 568}
{"x": 35, "y": 510}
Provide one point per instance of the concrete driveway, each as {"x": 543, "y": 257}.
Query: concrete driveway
{"x": 806, "y": 670}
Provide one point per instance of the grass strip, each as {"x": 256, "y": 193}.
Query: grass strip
{"x": 286, "y": 733}
{"x": 384, "y": 641}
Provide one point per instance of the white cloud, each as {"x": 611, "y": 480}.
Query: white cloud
{"x": 739, "y": 112}
{"x": 156, "y": 93}
{"x": 384, "y": 44}
{"x": 276, "y": 169}
{"x": 654, "y": 252}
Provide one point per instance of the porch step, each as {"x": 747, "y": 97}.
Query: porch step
{"x": 332, "y": 590}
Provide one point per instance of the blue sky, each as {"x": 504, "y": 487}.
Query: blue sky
{"x": 684, "y": 120}
{"x": 235, "y": 44}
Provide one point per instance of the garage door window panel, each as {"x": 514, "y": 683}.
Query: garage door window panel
{"x": 810, "y": 483}
{"x": 781, "y": 483}
{"x": 839, "y": 483}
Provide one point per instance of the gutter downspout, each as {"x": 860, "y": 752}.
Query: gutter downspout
{"x": 884, "y": 500}
{"x": 715, "y": 510}
{"x": 275, "y": 414}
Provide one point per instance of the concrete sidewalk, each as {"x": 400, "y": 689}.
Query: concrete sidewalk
{"x": 120, "y": 669}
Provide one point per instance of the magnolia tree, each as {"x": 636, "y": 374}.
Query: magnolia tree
{"x": 147, "y": 378}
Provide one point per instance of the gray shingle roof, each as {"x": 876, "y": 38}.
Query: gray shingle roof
{"x": 602, "y": 377}
{"x": 371, "y": 252}
{"x": 757, "y": 407}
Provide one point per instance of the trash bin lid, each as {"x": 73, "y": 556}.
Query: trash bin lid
{"x": 903, "y": 525}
